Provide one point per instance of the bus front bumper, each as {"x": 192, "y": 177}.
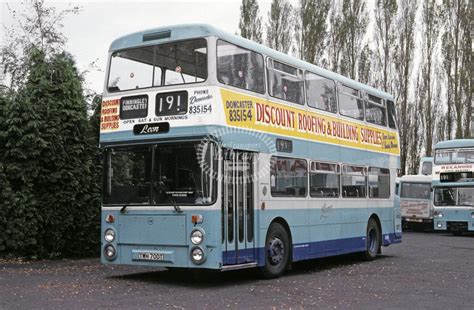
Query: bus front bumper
{"x": 454, "y": 219}
{"x": 164, "y": 256}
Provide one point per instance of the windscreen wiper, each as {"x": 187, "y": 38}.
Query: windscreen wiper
{"x": 125, "y": 206}
{"x": 170, "y": 198}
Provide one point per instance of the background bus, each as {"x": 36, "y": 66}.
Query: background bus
{"x": 224, "y": 154}
{"x": 416, "y": 201}
{"x": 453, "y": 184}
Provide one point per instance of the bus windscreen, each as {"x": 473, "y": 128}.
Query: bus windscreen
{"x": 454, "y": 156}
{"x": 454, "y": 196}
{"x": 416, "y": 190}
{"x": 165, "y": 174}
{"x": 182, "y": 62}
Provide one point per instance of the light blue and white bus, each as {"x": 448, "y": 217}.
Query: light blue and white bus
{"x": 453, "y": 185}
{"x": 416, "y": 201}
{"x": 221, "y": 153}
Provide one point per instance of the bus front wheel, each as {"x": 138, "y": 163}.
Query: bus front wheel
{"x": 372, "y": 240}
{"x": 277, "y": 251}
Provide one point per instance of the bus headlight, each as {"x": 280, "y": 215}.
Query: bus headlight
{"x": 110, "y": 252}
{"x": 439, "y": 225}
{"x": 197, "y": 255}
{"x": 197, "y": 236}
{"x": 438, "y": 214}
{"x": 109, "y": 235}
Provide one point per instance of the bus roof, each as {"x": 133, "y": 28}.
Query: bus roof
{"x": 455, "y": 143}
{"x": 189, "y": 31}
{"x": 416, "y": 178}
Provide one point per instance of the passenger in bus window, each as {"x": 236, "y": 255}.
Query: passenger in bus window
{"x": 285, "y": 92}
{"x": 324, "y": 102}
{"x": 240, "y": 80}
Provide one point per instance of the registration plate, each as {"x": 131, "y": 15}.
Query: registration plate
{"x": 151, "y": 256}
{"x": 414, "y": 220}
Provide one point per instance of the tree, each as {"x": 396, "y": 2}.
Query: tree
{"x": 355, "y": 21}
{"x": 334, "y": 38}
{"x": 4, "y": 103}
{"x": 364, "y": 73}
{"x": 6, "y": 194}
{"x": 456, "y": 51}
{"x": 50, "y": 190}
{"x": 64, "y": 186}
{"x": 403, "y": 65}
{"x": 348, "y": 25}
{"x": 23, "y": 145}
{"x": 466, "y": 88}
{"x": 437, "y": 111}
{"x": 280, "y": 25}
{"x": 310, "y": 29}
{"x": 431, "y": 23}
{"x": 415, "y": 131}
{"x": 447, "y": 54}
{"x": 385, "y": 36}
{"x": 250, "y": 24}
{"x": 48, "y": 164}
{"x": 37, "y": 26}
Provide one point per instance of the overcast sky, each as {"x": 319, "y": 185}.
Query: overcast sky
{"x": 90, "y": 32}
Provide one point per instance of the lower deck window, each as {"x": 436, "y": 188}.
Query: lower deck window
{"x": 324, "y": 185}
{"x": 288, "y": 177}
{"x": 354, "y": 182}
{"x": 379, "y": 183}
{"x": 324, "y": 180}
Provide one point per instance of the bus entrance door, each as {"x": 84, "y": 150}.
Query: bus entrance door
{"x": 238, "y": 208}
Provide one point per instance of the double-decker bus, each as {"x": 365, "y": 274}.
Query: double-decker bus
{"x": 453, "y": 185}
{"x": 221, "y": 153}
{"x": 426, "y": 166}
{"x": 416, "y": 201}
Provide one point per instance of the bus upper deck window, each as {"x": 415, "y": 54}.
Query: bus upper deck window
{"x": 320, "y": 92}
{"x": 131, "y": 69}
{"x": 375, "y": 111}
{"x": 179, "y": 62}
{"x": 285, "y": 82}
{"x": 240, "y": 67}
{"x": 392, "y": 120}
{"x": 350, "y": 103}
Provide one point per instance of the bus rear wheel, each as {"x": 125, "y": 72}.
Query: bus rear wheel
{"x": 277, "y": 251}
{"x": 372, "y": 241}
